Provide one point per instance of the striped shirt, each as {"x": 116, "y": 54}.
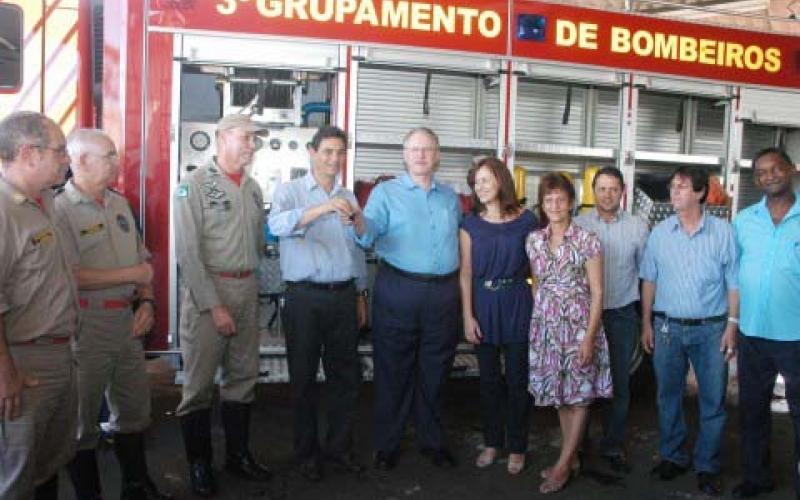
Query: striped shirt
{"x": 692, "y": 273}
{"x": 624, "y": 240}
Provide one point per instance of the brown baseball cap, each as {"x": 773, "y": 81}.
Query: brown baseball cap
{"x": 242, "y": 122}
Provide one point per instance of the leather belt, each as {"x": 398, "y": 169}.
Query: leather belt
{"x": 104, "y": 304}
{"x": 423, "y": 277}
{"x": 691, "y": 321}
{"x": 236, "y": 274}
{"x": 46, "y": 341}
{"x": 334, "y": 286}
{"x": 500, "y": 283}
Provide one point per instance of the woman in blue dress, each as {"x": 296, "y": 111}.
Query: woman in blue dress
{"x": 497, "y": 303}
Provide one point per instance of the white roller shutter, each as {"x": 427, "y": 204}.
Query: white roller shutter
{"x": 771, "y": 107}
{"x": 540, "y": 112}
{"x": 606, "y": 119}
{"x": 657, "y": 121}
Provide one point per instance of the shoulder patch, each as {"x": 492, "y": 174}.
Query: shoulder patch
{"x": 183, "y": 191}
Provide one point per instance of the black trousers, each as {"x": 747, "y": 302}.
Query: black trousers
{"x": 322, "y": 325}
{"x": 505, "y": 400}
{"x": 759, "y": 362}
{"x": 415, "y": 333}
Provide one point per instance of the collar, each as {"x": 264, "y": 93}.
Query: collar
{"x": 12, "y": 192}
{"x": 310, "y": 183}
{"x": 761, "y": 207}
{"x": 594, "y": 213}
{"x": 406, "y": 182}
{"x": 77, "y": 196}
{"x": 675, "y": 222}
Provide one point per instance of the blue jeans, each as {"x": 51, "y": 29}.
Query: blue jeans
{"x": 759, "y": 362}
{"x": 675, "y": 347}
{"x": 622, "y": 333}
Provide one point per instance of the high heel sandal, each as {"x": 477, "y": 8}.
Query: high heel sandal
{"x": 486, "y": 458}
{"x": 574, "y": 470}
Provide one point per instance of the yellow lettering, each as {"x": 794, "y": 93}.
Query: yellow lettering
{"x": 366, "y": 14}
{"x": 753, "y": 57}
{"x": 227, "y": 8}
{"x": 772, "y": 58}
{"x": 394, "y": 15}
{"x": 444, "y": 20}
{"x": 490, "y": 17}
{"x": 269, "y": 8}
{"x": 566, "y": 33}
{"x": 620, "y": 40}
{"x": 643, "y": 43}
{"x": 733, "y": 56}
{"x": 344, "y": 7}
{"x": 317, "y": 12}
{"x": 420, "y": 16}
{"x": 688, "y": 49}
{"x": 721, "y": 53}
{"x": 469, "y": 16}
{"x": 666, "y": 46}
{"x": 707, "y": 51}
{"x": 296, "y": 7}
{"x": 588, "y": 36}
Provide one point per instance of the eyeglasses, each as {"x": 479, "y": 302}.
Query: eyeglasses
{"x": 59, "y": 151}
{"x": 420, "y": 149}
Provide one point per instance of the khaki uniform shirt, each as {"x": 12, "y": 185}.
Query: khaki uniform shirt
{"x": 219, "y": 228}
{"x": 102, "y": 236}
{"x": 38, "y": 292}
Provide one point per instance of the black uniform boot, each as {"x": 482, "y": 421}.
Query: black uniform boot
{"x": 136, "y": 482}
{"x": 196, "y": 428}
{"x": 85, "y": 476}
{"x": 48, "y": 490}
{"x": 238, "y": 459}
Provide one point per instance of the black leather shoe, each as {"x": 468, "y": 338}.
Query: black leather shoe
{"x": 440, "y": 458}
{"x": 345, "y": 463}
{"x": 709, "y": 484}
{"x": 667, "y": 471}
{"x": 385, "y": 460}
{"x": 246, "y": 467}
{"x": 201, "y": 479}
{"x": 618, "y": 463}
{"x": 747, "y": 489}
{"x": 311, "y": 471}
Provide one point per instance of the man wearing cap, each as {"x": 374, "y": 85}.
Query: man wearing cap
{"x": 690, "y": 307}
{"x": 219, "y": 239}
{"x": 325, "y": 274}
{"x": 112, "y": 271}
{"x": 38, "y": 312}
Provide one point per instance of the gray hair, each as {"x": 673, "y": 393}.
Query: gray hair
{"x": 21, "y": 128}
{"x": 82, "y": 140}
{"x": 424, "y": 130}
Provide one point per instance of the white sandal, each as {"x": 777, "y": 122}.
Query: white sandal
{"x": 486, "y": 458}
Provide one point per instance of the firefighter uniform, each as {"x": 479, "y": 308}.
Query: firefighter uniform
{"x": 219, "y": 239}
{"x": 39, "y": 308}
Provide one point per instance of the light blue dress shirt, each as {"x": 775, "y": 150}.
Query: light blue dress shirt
{"x": 769, "y": 272}
{"x": 324, "y": 250}
{"x": 623, "y": 239}
{"x": 413, "y": 229}
{"x": 693, "y": 273}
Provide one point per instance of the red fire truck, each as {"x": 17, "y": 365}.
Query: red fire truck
{"x": 543, "y": 85}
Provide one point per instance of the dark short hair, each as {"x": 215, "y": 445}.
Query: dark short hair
{"x": 699, "y": 177}
{"x": 20, "y": 128}
{"x": 327, "y": 132}
{"x": 507, "y": 196}
{"x": 554, "y": 181}
{"x": 779, "y": 152}
{"x": 611, "y": 172}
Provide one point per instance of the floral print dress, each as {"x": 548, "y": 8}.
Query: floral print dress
{"x": 559, "y": 321}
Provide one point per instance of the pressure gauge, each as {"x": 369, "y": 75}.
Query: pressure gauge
{"x": 199, "y": 141}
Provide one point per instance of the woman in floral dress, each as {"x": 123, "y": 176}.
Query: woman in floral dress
{"x": 569, "y": 364}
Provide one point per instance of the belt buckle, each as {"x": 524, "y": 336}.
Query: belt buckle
{"x": 491, "y": 285}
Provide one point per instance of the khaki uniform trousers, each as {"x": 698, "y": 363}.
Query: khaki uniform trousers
{"x": 111, "y": 362}
{"x": 204, "y": 349}
{"x": 34, "y": 446}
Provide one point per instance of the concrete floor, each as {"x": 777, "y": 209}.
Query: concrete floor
{"x": 415, "y": 478}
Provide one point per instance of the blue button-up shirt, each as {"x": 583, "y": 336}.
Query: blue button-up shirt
{"x": 322, "y": 251}
{"x": 413, "y": 229}
{"x": 623, "y": 239}
{"x": 769, "y": 272}
{"x": 692, "y": 274}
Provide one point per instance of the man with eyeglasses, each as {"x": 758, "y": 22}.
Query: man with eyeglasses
{"x": 219, "y": 240}
{"x": 690, "y": 311}
{"x": 111, "y": 265}
{"x": 413, "y": 222}
{"x": 38, "y": 312}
